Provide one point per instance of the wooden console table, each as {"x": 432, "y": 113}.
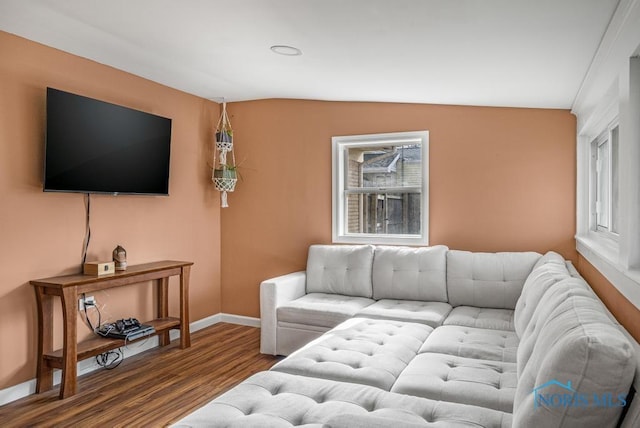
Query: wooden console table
{"x": 69, "y": 288}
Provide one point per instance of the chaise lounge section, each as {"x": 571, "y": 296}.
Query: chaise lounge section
{"x": 397, "y": 336}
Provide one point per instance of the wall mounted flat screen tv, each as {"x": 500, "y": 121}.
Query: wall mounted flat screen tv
{"x": 96, "y": 147}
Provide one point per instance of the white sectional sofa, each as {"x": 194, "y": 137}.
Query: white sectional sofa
{"x": 397, "y": 336}
{"x": 432, "y": 286}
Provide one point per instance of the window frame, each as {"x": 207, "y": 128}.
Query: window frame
{"x": 595, "y": 207}
{"x": 610, "y": 89}
{"x": 339, "y": 193}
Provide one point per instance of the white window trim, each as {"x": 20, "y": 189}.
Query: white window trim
{"x": 339, "y": 235}
{"x": 617, "y": 258}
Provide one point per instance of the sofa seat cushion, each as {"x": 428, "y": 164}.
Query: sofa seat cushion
{"x": 471, "y": 316}
{"x": 365, "y": 351}
{"x": 490, "y": 384}
{"x": 469, "y": 342}
{"x": 320, "y": 309}
{"x": 429, "y": 313}
{"x": 273, "y": 399}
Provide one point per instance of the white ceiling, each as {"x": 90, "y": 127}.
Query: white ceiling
{"x": 520, "y": 53}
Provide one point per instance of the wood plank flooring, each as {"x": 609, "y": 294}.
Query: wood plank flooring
{"x": 152, "y": 389}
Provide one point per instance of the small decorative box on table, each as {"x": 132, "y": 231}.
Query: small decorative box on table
{"x": 70, "y": 287}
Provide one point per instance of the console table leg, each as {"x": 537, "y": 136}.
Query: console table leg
{"x": 163, "y": 307}
{"x": 44, "y": 377}
{"x": 69, "y": 384}
{"x": 185, "y": 337}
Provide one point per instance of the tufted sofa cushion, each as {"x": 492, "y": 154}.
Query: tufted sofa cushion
{"x": 365, "y": 351}
{"x": 410, "y": 273}
{"x": 444, "y": 377}
{"x": 549, "y": 257}
{"x": 469, "y": 342}
{"x": 272, "y": 399}
{"x": 545, "y": 309}
{"x": 578, "y": 352}
{"x": 549, "y": 270}
{"x": 340, "y": 269}
{"x": 487, "y": 280}
{"x": 321, "y": 309}
{"x": 429, "y": 313}
{"x": 382, "y": 419}
{"x": 470, "y": 316}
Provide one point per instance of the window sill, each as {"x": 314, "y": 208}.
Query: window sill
{"x": 381, "y": 240}
{"x": 603, "y": 254}
{"x": 601, "y": 244}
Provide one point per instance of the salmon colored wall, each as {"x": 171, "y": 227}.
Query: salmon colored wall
{"x": 41, "y": 234}
{"x": 501, "y": 179}
{"x": 625, "y": 312}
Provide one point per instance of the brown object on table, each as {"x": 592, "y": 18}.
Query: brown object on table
{"x": 99, "y": 268}
{"x": 70, "y": 287}
{"x": 120, "y": 258}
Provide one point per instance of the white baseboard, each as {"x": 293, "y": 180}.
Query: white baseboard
{"x": 240, "y": 320}
{"x": 18, "y": 391}
{"x": 24, "y": 389}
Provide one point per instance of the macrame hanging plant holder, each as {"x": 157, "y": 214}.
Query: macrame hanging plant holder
{"x": 224, "y": 134}
{"x": 224, "y": 175}
{"x": 225, "y": 184}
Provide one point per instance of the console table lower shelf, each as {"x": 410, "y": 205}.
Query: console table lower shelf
{"x": 69, "y": 287}
{"x": 97, "y": 345}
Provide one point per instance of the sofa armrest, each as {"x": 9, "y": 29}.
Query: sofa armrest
{"x": 273, "y": 293}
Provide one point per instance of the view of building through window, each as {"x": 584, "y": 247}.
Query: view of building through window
{"x": 383, "y": 189}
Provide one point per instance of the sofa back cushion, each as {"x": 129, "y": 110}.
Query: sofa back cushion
{"x": 548, "y": 271}
{"x": 488, "y": 280}
{"x": 410, "y": 273}
{"x": 340, "y": 269}
{"x": 549, "y": 257}
{"x": 580, "y": 368}
{"x": 545, "y": 307}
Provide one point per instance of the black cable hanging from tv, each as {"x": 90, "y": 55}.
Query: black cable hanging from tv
{"x": 87, "y": 234}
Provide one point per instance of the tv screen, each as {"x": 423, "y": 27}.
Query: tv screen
{"x": 96, "y": 147}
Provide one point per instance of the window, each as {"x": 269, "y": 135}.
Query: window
{"x": 604, "y": 179}
{"x": 607, "y": 109}
{"x": 380, "y": 188}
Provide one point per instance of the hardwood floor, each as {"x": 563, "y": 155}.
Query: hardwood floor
{"x": 152, "y": 389}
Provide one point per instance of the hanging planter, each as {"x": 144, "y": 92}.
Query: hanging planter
{"x": 225, "y": 181}
{"x": 224, "y": 133}
{"x": 225, "y": 175}
{"x": 224, "y": 136}
{"x": 224, "y": 140}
